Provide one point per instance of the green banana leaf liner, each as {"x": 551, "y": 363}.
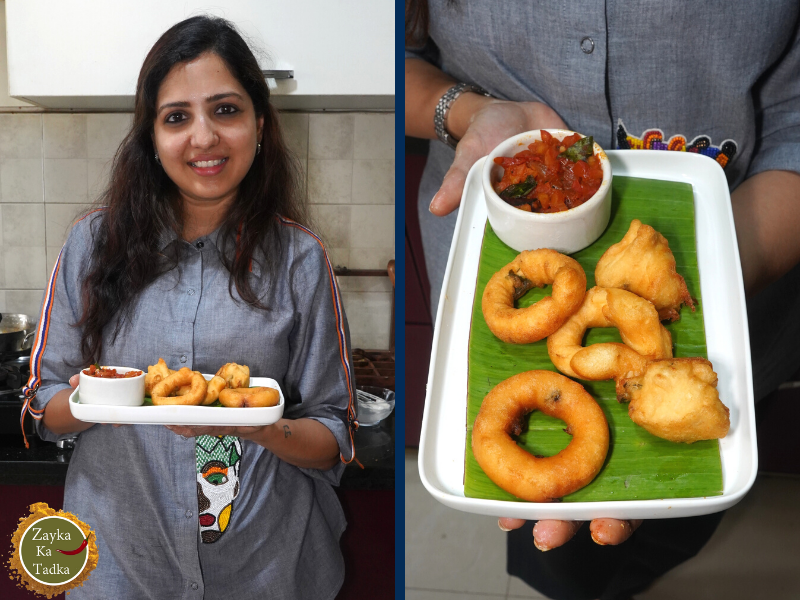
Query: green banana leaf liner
{"x": 639, "y": 466}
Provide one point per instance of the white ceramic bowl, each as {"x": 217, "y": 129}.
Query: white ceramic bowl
{"x": 115, "y": 392}
{"x": 567, "y": 231}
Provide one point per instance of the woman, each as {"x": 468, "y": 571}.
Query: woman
{"x": 200, "y": 257}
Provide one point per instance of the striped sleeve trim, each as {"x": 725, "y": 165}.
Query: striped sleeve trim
{"x": 35, "y": 379}
{"x": 337, "y": 305}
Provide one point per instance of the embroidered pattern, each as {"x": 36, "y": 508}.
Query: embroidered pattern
{"x": 218, "y": 462}
{"x": 653, "y": 139}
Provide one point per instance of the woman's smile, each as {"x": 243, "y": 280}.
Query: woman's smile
{"x": 206, "y": 167}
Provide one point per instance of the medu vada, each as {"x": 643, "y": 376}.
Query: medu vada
{"x": 533, "y": 268}
{"x": 155, "y": 373}
{"x": 163, "y": 390}
{"x": 526, "y": 476}
{"x": 215, "y": 384}
{"x": 644, "y": 337}
{"x": 249, "y": 397}
{"x": 643, "y": 263}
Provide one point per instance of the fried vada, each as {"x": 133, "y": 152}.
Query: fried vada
{"x": 215, "y": 384}
{"x": 163, "y": 391}
{"x": 677, "y": 400}
{"x": 249, "y": 397}
{"x": 533, "y": 268}
{"x": 235, "y": 376}
{"x": 156, "y": 373}
{"x": 643, "y": 264}
{"x": 638, "y": 325}
{"x": 526, "y": 476}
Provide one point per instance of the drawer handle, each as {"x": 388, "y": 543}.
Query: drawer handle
{"x": 278, "y": 74}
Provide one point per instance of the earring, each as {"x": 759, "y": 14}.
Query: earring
{"x": 158, "y": 160}
{"x": 258, "y": 147}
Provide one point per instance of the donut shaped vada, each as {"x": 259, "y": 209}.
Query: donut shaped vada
{"x": 644, "y": 337}
{"x": 235, "y": 376}
{"x": 533, "y": 268}
{"x": 156, "y": 373}
{"x": 526, "y": 476}
{"x": 256, "y": 397}
{"x": 215, "y": 384}
{"x": 163, "y": 390}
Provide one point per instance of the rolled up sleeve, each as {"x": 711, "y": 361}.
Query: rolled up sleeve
{"x": 319, "y": 380}
{"x": 776, "y": 98}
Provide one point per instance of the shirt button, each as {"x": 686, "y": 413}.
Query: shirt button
{"x": 194, "y": 586}
{"x": 183, "y": 358}
{"x": 587, "y": 45}
{"x": 189, "y": 516}
{"x": 199, "y": 245}
{"x": 191, "y": 292}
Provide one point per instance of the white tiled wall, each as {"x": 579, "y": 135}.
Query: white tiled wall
{"x": 53, "y": 165}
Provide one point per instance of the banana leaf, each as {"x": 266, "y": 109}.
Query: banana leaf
{"x": 639, "y": 466}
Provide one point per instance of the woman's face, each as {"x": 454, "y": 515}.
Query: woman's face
{"x": 205, "y": 131}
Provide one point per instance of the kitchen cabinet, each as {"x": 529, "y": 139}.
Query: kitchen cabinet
{"x": 86, "y": 54}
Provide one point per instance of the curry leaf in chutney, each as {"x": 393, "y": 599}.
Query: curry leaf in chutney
{"x": 580, "y": 150}
{"x": 519, "y": 190}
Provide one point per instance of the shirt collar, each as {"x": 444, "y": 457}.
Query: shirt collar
{"x": 169, "y": 236}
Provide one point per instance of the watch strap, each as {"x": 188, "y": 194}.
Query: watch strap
{"x": 443, "y": 109}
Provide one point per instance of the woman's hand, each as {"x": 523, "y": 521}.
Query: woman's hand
{"x": 481, "y": 123}
{"x": 57, "y": 416}
{"x": 193, "y": 431}
{"x": 304, "y": 443}
{"x": 549, "y": 534}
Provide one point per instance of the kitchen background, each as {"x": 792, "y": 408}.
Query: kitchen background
{"x": 54, "y": 164}
{"x": 80, "y": 59}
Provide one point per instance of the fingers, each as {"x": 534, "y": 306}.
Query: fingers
{"x": 184, "y": 431}
{"x": 507, "y": 523}
{"x": 549, "y": 534}
{"x": 74, "y": 380}
{"x": 448, "y": 198}
{"x": 489, "y": 126}
{"x": 610, "y": 532}
{"x": 194, "y": 431}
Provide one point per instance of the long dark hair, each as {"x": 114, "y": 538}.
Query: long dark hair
{"x": 143, "y": 203}
{"x": 416, "y": 22}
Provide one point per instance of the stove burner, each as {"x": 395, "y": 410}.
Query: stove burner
{"x": 14, "y": 373}
{"x": 10, "y": 377}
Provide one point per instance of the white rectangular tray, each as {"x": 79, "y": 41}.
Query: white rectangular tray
{"x": 180, "y": 415}
{"x": 443, "y": 437}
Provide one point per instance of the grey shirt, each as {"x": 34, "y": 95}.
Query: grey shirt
{"x": 717, "y": 78}
{"x": 207, "y": 517}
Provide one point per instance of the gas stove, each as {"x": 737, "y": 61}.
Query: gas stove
{"x": 14, "y": 373}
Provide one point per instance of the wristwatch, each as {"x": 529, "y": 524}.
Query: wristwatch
{"x": 443, "y": 108}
